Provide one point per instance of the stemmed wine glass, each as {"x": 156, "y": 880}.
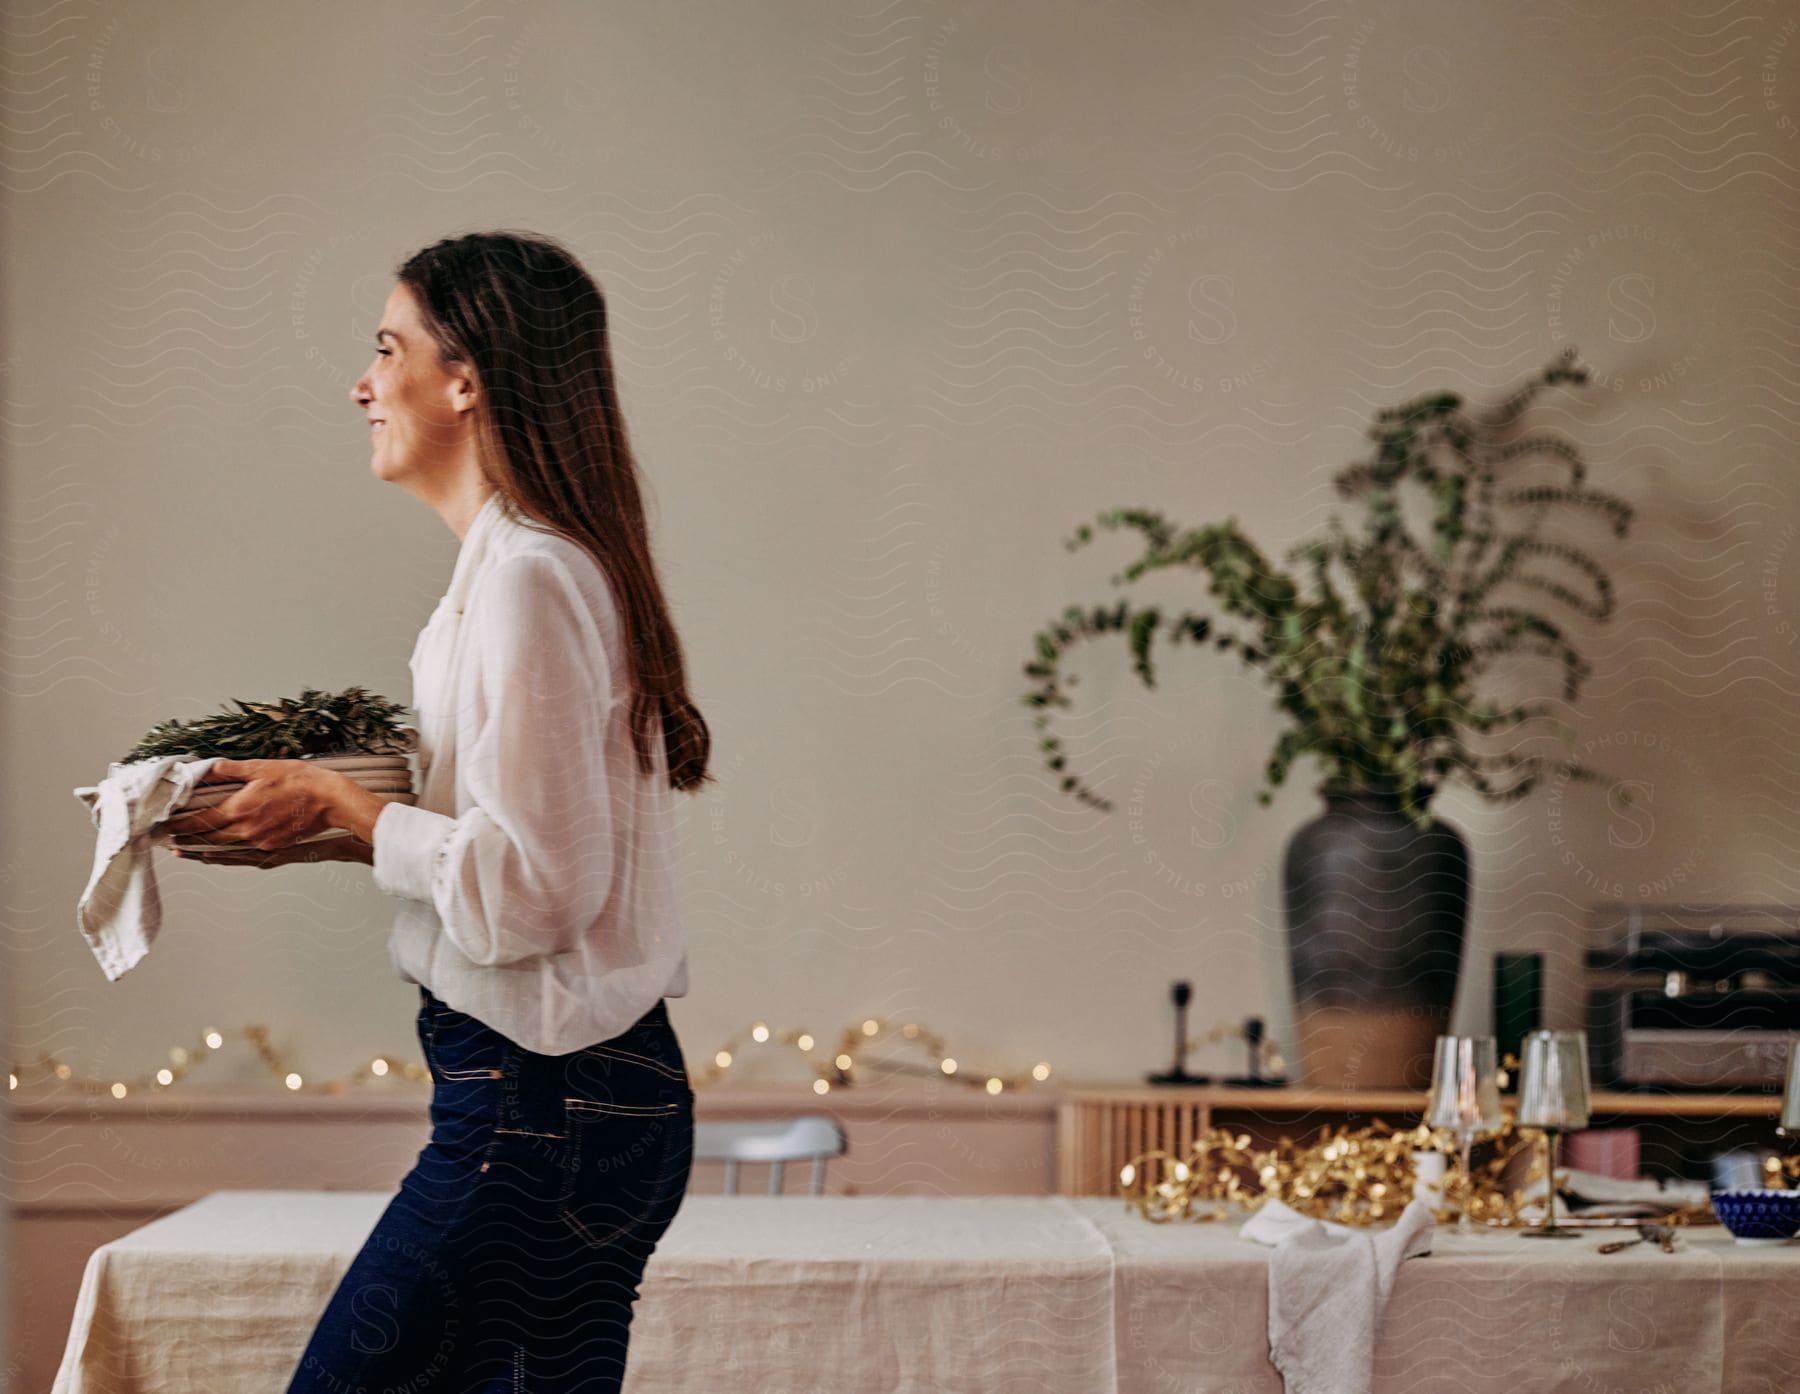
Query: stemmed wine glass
{"x": 1553, "y": 1095}
{"x": 1465, "y": 1097}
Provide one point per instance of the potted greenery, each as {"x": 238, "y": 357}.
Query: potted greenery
{"x": 1374, "y": 647}
{"x": 354, "y": 731}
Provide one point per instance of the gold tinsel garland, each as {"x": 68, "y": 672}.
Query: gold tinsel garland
{"x": 1353, "y": 1176}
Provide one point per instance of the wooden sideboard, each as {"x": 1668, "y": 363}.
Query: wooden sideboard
{"x": 1101, "y": 1127}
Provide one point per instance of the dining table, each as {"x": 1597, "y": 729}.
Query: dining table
{"x": 974, "y": 1295}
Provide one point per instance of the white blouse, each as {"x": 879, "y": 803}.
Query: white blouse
{"x": 537, "y": 870}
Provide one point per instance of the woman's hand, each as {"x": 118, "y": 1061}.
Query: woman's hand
{"x": 282, "y": 802}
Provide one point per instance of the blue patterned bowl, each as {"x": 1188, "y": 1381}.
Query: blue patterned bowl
{"x": 1759, "y": 1216}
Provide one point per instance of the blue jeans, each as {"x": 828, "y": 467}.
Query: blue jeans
{"x": 511, "y": 1257}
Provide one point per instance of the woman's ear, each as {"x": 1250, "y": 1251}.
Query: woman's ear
{"x": 463, "y": 394}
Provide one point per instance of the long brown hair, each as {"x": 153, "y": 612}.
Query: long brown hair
{"x": 521, "y": 314}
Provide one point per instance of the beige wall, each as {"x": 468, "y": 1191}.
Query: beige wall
{"x": 902, "y": 293}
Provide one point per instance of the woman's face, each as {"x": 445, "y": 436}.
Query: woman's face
{"x": 418, "y": 409}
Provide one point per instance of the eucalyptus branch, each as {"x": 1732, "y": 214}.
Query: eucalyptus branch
{"x": 1078, "y": 625}
{"x": 314, "y": 723}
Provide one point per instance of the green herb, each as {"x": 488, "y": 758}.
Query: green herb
{"x": 1374, "y": 648}
{"x": 315, "y": 723}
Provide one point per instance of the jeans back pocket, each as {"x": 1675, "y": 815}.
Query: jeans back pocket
{"x": 627, "y": 1168}
{"x": 459, "y": 1046}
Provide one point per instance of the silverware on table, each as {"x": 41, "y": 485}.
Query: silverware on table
{"x": 1661, "y": 1235}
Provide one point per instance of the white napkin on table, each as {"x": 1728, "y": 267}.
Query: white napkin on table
{"x": 121, "y": 910}
{"x": 1328, "y": 1286}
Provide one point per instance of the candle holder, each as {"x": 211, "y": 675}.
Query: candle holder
{"x": 1553, "y": 1095}
{"x": 1181, "y": 993}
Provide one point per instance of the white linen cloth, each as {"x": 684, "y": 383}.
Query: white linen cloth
{"x": 1328, "y": 1286}
{"x": 120, "y": 911}
{"x": 1589, "y": 1193}
{"x": 537, "y": 870}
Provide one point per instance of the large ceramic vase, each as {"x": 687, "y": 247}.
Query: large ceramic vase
{"x": 1376, "y": 910}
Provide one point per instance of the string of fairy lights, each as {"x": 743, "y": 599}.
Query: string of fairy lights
{"x": 1269, "y": 1060}
{"x": 839, "y": 1069}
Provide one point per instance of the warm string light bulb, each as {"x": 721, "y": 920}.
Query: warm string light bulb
{"x": 844, "y": 1061}
{"x": 182, "y": 1061}
{"x": 1269, "y": 1057}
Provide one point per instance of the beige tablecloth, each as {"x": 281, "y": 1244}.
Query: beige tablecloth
{"x": 971, "y": 1293}
{"x": 950, "y": 1294}
{"x": 1492, "y": 1313}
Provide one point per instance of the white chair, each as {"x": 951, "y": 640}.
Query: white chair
{"x": 812, "y": 1137}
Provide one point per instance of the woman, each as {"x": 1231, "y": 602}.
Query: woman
{"x": 535, "y": 874}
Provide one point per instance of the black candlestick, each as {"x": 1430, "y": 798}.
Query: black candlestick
{"x": 1178, "y": 1073}
{"x": 1253, "y": 1038}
